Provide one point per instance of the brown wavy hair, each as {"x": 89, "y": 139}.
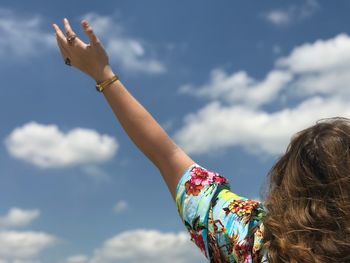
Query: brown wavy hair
{"x": 308, "y": 200}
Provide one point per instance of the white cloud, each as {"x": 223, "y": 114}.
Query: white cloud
{"x": 130, "y": 52}
{"x": 17, "y": 246}
{"x": 292, "y": 14}
{"x": 23, "y": 35}
{"x": 47, "y": 147}
{"x": 147, "y": 246}
{"x": 22, "y": 246}
{"x": 216, "y": 127}
{"x": 321, "y": 68}
{"x": 120, "y": 206}
{"x": 320, "y": 56}
{"x": 315, "y": 76}
{"x": 17, "y": 217}
{"x": 77, "y": 259}
{"x": 240, "y": 88}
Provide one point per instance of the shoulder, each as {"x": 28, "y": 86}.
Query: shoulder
{"x": 220, "y": 222}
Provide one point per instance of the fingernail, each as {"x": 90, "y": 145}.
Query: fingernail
{"x": 85, "y": 23}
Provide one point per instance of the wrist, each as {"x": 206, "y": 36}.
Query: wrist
{"x": 106, "y": 74}
{"x": 102, "y": 85}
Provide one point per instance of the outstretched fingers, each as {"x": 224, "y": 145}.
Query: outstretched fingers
{"x": 71, "y": 37}
{"x": 68, "y": 29}
{"x": 61, "y": 41}
{"x": 90, "y": 33}
{"x": 59, "y": 33}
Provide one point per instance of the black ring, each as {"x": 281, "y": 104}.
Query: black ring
{"x": 67, "y": 62}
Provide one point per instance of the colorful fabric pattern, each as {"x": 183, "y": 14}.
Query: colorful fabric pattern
{"x": 226, "y": 227}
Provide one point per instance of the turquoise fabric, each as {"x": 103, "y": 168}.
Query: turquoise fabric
{"x": 225, "y": 227}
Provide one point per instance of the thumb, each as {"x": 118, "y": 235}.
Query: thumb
{"x": 89, "y": 32}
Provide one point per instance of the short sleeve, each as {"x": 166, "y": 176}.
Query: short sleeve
{"x": 226, "y": 227}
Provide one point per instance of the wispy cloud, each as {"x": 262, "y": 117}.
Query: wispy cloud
{"x": 77, "y": 259}
{"x": 279, "y": 17}
{"x": 120, "y": 206}
{"x": 276, "y": 49}
{"x": 314, "y": 75}
{"x": 96, "y": 173}
{"x": 148, "y": 246}
{"x": 292, "y": 14}
{"x": 46, "y": 146}
{"x": 23, "y": 35}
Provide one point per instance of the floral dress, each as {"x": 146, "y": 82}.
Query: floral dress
{"x": 225, "y": 226}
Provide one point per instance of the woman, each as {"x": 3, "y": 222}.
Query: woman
{"x": 306, "y": 217}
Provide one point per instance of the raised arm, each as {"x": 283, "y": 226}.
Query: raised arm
{"x": 137, "y": 122}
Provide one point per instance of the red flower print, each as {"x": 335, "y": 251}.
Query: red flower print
{"x": 219, "y": 179}
{"x": 200, "y": 176}
{"x": 195, "y": 229}
{"x": 196, "y": 236}
{"x": 192, "y": 189}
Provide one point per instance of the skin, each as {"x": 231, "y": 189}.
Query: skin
{"x": 146, "y": 133}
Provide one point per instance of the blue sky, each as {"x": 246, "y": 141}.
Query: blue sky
{"x": 231, "y": 82}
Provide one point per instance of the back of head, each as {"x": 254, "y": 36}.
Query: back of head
{"x": 308, "y": 204}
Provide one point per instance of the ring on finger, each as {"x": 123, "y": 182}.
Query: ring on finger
{"x": 67, "y": 62}
{"x": 70, "y": 39}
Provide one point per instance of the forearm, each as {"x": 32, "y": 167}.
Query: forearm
{"x": 138, "y": 123}
{"x": 147, "y": 134}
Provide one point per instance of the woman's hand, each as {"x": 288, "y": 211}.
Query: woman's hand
{"x": 91, "y": 58}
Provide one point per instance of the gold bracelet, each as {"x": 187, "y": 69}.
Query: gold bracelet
{"x": 101, "y": 86}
